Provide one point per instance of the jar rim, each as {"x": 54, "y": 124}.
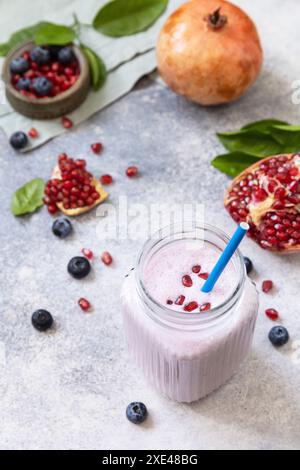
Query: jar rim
{"x": 169, "y": 317}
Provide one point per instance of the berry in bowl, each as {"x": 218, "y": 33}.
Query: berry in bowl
{"x": 45, "y": 82}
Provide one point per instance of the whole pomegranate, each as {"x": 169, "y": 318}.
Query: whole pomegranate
{"x": 267, "y": 196}
{"x": 209, "y": 51}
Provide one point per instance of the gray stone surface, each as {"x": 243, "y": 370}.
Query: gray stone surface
{"x": 69, "y": 389}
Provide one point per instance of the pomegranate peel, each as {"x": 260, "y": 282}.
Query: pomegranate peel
{"x": 103, "y": 195}
{"x": 267, "y": 197}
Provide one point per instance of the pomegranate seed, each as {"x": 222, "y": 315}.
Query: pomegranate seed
{"x": 84, "y": 304}
{"x": 106, "y": 179}
{"x": 132, "y": 171}
{"x": 272, "y": 314}
{"x": 204, "y": 276}
{"x": 169, "y": 302}
{"x": 33, "y": 133}
{"x": 280, "y": 193}
{"x": 260, "y": 195}
{"x": 278, "y": 205}
{"x": 87, "y": 253}
{"x": 97, "y": 147}
{"x": 106, "y": 258}
{"x": 205, "y": 307}
{"x": 67, "y": 123}
{"x": 190, "y": 307}
{"x": 267, "y": 286}
{"x": 52, "y": 208}
{"x": 180, "y": 300}
{"x": 187, "y": 281}
{"x": 196, "y": 269}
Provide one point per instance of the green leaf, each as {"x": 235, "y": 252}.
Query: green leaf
{"x": 125, "y": 17}
{"x": 28, "y": 198}
{"x": 263, "y": 126}
{"x": 289, "y": 136}
{"x": 97, "y": 67}
{"x": 234, "y": 163}
{"x": 251, "y": 142}
{"x": 54, "y": 34}
{"x": 19, "y": 37}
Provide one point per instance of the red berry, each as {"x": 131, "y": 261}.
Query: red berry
{"x": 132, "y": 171}
{"x": 267, "y": 286}
{"x": 67, "y": 123}
{"x": 205, "y": 307}
{"x": 33, "y": 133}
{"x": 97, "y": 147}
{"x": 106, "y": 179}
{"x": 84, "y": 304}
{"x": 196, "y": 269}
{"x": 106, "y": 258}
{"x": 272, "y": 314}
{"x": 204, "y": 276}
{"x": 52, "y": 208}
{"x": 190, "y": 307}
{"x": 187, "y": 281}
{"x": 87, "y": 253}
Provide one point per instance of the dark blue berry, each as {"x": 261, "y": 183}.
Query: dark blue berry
{"x": 19, "y": 65}
{"x": 279, "y": 336}
{"x": 18, "y": 140}
{"x": 79, "y": 267}
{"x": 62, "y": 228}
{"x": 42, "y": 86}
{"x": 54, "y": 50}
{"x": 66, "y": 56}
{"x": 40, "y": 55}
{"x": 136, "y": 412}
{"x": 248, "y": 264}
{"x": 23, "y": 84}
{"x": 42, "y": 320}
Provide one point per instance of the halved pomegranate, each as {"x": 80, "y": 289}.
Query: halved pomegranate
{"x": 72, "y": 189}
{"x": 267, "y": 196}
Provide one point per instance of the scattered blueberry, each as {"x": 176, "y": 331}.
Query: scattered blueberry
{"x": 54, "y": 50}
{"x": 248, "y": 264}
{"x": 66, "y": 56}
{"x": 42, "y": 86}
{"x": 19, "y": 65}
{"x": 23, "y": 84}
{"x": 62, "y": 228}
{"x": 79, "y": 267}
{"x": 136, "y": 412}
{"x": 40, "y": 55}
{"x": 18, "y": 140}
{"x": 42, "y": 320}
{"x": 279, "y": 336}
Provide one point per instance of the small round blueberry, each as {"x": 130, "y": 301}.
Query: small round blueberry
{"x": 19, "y": 66}
{"x": 42, "y": 320}
{"x": 23, "y": 84}
{"x": 18, "y": 140}
{"x": 279, "y": 336}
{"x": 136, "y": 412}
{"x": 62, "y": 228}
{"x": 79, "y": 267}
{"x": 66, "y": 56}
{"x": 248, "y": 264}
{"x": 42, "y": 86}
{"x": 40, "y": 55}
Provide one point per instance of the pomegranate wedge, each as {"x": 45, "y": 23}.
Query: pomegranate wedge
{"x": 267, "y": 196}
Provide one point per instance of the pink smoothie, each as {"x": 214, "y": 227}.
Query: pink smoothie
{"x": 188, "y": 355}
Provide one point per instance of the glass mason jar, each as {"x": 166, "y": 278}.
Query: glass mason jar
{"x": 187, "y": 356}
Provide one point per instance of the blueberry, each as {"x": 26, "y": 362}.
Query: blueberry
{"x": 42, "y": 86}
{"x": 279, "y": 336}
{"x": 19, "y": 65}
{"x": 79, "y": 267}
{"x": 18, "y": 140}
{"x": 42, "y": 320}
{"x": 40, "y": 55}
{"x": 66, "y": 56}
{"x": 248, "y": 264}
{"x": 23, "y": 84}
{"x": 62, "y": 228}
{"x": 54, "y": 50}
{"x": 136, "y": 412}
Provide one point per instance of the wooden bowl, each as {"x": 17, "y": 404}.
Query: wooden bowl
{"x": 47, "y": 108}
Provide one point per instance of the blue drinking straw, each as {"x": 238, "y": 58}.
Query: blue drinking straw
{"x": 225, "y": 257}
